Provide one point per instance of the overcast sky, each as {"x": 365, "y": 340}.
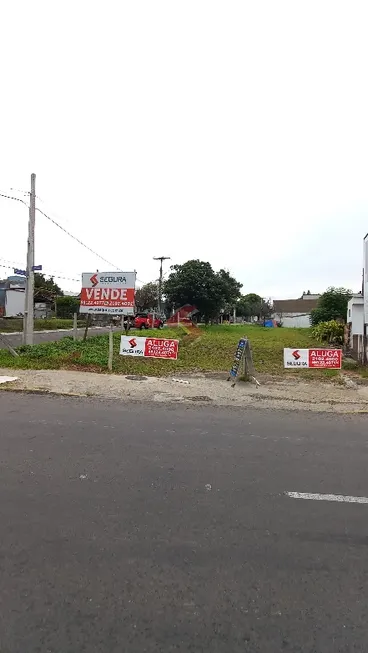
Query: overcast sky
{"x": 233, "y": 131}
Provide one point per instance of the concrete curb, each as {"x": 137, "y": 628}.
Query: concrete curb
{"x": 186, "y": 401}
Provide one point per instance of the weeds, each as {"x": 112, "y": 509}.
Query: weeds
{"x": 208, "y": 349}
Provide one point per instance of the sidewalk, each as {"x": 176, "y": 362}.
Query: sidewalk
{"x": 275, "y": 394}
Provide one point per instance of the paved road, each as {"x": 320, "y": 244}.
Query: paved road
{"x": 16, "y": 339}
{"x": 135, "y": 528}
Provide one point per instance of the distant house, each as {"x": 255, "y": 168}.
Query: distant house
{"x": 12, "y": 296}
{"x": 295, "y": 312}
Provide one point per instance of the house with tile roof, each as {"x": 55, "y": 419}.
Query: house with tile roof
{"x": 295, "y": 312}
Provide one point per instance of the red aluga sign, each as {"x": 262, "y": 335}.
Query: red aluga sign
{"x": 325, "y": 358}
{"x": 161, "y": 348}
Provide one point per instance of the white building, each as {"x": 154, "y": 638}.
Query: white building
{"x": 355, "y": 321}
{"x": 355, "y": 316}
{"x": 295, "y": 312}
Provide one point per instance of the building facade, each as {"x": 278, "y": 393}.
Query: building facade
{"x": 295, "y": 313}
{"x": 12, "y": 296}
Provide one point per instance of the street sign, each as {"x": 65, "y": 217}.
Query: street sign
{"x": 322, "y": 359}
{"x": 21, "y": 273}
{"x": 110, "y": 293}
{"x": 149, "y": 347}
{"x": 37, "y": 268}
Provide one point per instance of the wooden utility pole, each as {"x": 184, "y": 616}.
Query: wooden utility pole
{"x": 111, "y": 349}
{"x": 75, "y": 326}
{"x": 161, "y": 259}
{"x": 28, "y": 325}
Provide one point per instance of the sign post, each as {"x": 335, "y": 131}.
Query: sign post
{"x": 111, "y": 349}
{"x": 243, "y": 362}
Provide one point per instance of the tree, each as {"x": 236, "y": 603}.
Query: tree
{"x": 66, "y": 306}
{"x": 196, "y": 283}
{"x": 230, "y": 287}
{"x": 47, "y": 284}
{"x": 146, "y": 297}
{"x": 243, "y": 308}
{"x": 253, "y": 305}
{"x": 332, "y": 305}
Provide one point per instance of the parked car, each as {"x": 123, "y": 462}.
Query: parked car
{"x": 146, "y": 321}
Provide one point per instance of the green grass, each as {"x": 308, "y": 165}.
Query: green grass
{"x": 208, "y": 349}
{"x": 11, "y": 325}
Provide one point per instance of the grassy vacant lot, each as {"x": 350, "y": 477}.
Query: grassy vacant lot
{"x": 209, "y": 349}
{"x": 11, "y": 325}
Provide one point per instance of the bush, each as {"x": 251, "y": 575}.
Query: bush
{"x": 331, "y": 332}
{"x": 332, "y": 305}
{"x": 319, "y": 315}
{"x": 66, "y": 306}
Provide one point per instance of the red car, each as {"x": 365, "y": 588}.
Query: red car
{"x": 145, "y": 321}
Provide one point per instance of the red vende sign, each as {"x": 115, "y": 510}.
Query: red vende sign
{"x": 119, "y": 297}
{"x": 325, "y": 358}
{"x": 161, "y": 348}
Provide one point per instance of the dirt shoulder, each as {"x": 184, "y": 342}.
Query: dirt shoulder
{"x": 276, "y": 394}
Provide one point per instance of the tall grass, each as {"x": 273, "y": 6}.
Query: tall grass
{"x": 208, "y": 349}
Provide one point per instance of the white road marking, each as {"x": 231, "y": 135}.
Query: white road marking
{"x": 341, "y": 498}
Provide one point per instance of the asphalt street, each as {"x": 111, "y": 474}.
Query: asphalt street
{"x": 149, "y": 528}
{"x": 16, "y": 339}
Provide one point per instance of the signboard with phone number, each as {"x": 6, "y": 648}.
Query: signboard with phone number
{"x": 149, "y": 347}
{"x": 322, "y": 359}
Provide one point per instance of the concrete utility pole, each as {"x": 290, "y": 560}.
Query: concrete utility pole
{"x": 160, "y": 258}
{"x": 29, "y": 307}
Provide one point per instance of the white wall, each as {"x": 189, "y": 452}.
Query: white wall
{"x": 356, "y": 315}
{"x": 294, "y": 320}
{"x": 357, "y": 322}
{"x": 14, "y": 303}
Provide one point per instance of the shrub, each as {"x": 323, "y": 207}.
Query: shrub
{"x": 66, "y": 306}
{"x": 332, "y": 304}
{"x": 331, "y": 332}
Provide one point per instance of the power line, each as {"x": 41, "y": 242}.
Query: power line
{"x": 51, "y": 273}
{"x": 16, "y": 199}
{"x": 77, "y": 239}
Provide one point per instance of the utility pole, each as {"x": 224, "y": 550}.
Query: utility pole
{"x": 29, "y": 307}
{"x": 161, "y": 259}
